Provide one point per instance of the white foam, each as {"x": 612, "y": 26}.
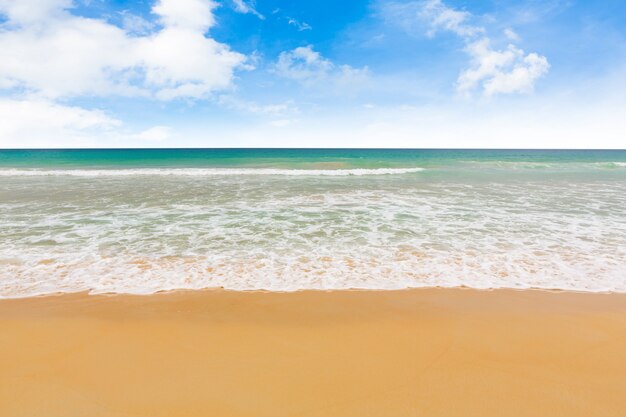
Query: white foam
{"x": 145, "y": 236}
{"x": 536, "y": 165}
{"x": 201, "y": 172}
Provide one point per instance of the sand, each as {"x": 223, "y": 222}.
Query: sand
{"x": 435, "y": 352}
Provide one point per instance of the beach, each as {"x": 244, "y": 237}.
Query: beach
{"x": 424, "y": 352}
{"x": 299, "y": 282}
{"x": 368, "y": 208}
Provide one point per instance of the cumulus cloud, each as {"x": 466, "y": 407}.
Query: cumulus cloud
{"x": 195, "y": 15}
{"x": 308, "y": 66}
{"x": 47, "y": 51}
{"x": 492, "y": 71}
{"x": 50, "y": 56}
{"x": 505, "y": 71}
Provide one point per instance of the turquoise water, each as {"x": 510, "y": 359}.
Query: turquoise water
{"x": 141, "y": 221}
{"x": 290, "y": 158}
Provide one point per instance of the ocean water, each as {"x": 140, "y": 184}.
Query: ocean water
{"x": 141, "y": 221}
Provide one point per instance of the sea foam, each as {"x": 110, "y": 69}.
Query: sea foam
{"x": 129, "y": 234}
{"x": 202, "y": 172}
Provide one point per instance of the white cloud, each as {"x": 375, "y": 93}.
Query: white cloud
{"x": 301, "y": 26}
{"x": 134, "y": 24}
{"x": 49, "y": 52}
{"x": 308, "y": 66}
{"x": 178, "y": 62}
{"x": 29, "y": 11}
{"x": 492, "y": 71}
{"x": 442, "y": 17}
{"x": 39, "y": 123}
{"x": 49, "y": 55}
{"x": 195, "y": 15}
{"x": 303, "y": 63}
{"x": 244, "y": 7}
{"x": 511, "y": 35}
{"x": 501, "y": 72}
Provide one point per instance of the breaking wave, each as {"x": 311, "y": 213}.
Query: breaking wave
{"x": 201, "y": 172}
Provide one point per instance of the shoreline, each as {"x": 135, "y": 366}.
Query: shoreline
{"x": 435, "y": 352}
{"x": 311, "y": 290}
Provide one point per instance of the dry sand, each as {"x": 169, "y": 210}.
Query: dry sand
{"x": 433, "y": 352}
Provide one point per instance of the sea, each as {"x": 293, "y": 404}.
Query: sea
{"x": 142, "y": 221}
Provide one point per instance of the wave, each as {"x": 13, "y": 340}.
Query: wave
{"x": 391, "y": 270}
{"x": 202, "y": 172}
{"x": 560, "y": 235}
{"x": 540, "y": 165}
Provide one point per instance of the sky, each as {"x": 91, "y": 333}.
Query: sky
{"x": 323, "y": 73}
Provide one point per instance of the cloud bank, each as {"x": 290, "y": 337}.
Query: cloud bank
{"x": 47, "y": 51}
{"x": 49, "y": 56}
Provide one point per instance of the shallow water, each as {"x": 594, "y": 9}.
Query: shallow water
{"x": 140, "y": 221}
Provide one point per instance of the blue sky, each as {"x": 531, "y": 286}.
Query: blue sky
{"x": 380, "y": 73}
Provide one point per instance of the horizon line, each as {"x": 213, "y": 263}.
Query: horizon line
{"x": 310, "y": 148}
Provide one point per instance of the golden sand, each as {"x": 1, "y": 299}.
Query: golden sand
{"x": 354, "y": 353}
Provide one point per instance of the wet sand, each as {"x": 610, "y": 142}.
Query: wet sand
{"x": 435, "y": 352}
